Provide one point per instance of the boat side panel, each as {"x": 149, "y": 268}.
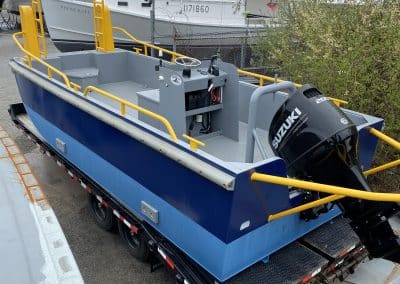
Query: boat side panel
{"x": 220, "y": 259}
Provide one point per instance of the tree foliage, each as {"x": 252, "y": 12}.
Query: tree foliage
{"x": 349, "y": 51}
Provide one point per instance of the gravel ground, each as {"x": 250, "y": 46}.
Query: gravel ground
{"x": 101, "y": 256}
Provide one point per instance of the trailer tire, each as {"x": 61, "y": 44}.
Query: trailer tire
{"x": 136, "y": 243}
{"x": 102, "y": 215}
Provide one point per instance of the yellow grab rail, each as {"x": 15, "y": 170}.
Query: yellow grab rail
{"x": 327, "y": 199}
{"x": 147, "y": 45}
{"x": 263, "y": 78}
{"x": 30, "y": 56}
{"x": 194, "y": 143}
{"x": 304, "y": 207}
{"x": 392, "y": 142}
{"x": 125, "y": 103}
{"x": 382, "y": 167}
{"x": 337, "y": 192}
{"x": 338, "y": 102}
{"x": 395, "y": 144}
{"x": 326, "y": 188}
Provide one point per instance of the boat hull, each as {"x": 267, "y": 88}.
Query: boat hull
{"x": 186, "y": 201}
{"x": 74, "y": 30}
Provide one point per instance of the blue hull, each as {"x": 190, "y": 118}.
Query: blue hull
{"x": 198, "y": 216}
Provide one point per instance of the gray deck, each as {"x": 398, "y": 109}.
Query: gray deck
{"x": 234, "y": 151}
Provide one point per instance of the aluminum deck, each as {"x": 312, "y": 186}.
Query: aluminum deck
{"x": 33, "y": 245}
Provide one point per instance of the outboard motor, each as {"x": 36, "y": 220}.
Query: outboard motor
{"x": 318, "y": 142}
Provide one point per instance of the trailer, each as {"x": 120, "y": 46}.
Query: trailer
{"x": 327, "y": 254}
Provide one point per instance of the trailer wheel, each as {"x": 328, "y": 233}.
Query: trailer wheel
{"x": 102, "y": 215}
{"x": 137, "y": 243}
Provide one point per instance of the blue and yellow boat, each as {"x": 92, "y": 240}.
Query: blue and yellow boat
{"x": 227, "y": 171}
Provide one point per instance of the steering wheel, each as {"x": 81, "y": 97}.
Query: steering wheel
{"x": 187, "y": 61}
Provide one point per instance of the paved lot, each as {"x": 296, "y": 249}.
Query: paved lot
{"x": 101, "y": 256}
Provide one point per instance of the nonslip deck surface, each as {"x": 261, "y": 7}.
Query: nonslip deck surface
{"x": 234, "y": 151}
{"x": 289, "y": 265}
{"x": 301, "y": 258}
{"x": 333, "y": 239}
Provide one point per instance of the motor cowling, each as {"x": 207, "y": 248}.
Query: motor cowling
{"x": 318, "y": 143}
{"x": 316, "y": 139}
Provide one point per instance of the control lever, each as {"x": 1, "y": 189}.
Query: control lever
{"x": 212, "y": 69}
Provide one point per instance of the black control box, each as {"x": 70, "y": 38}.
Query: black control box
{"x": 197, "y": 99}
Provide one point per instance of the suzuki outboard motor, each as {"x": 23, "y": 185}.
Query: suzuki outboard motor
{"x": 318, "y": 142}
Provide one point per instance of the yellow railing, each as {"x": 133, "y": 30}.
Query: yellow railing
{"x": 263, "y": 78}
{"x": 336, "y": 191}
{"x": 390, "y": 141}
{"x": 125, "y": 104}
{"x": 382, "y": 167}
{"x": 147, "y": 45}
{"x": 50, "y": 68}
{"x": 395, "y": 144}
{"x": 304, "y": 207}
{"x": 194, "y": 143}
{"x": 326, "y": 188}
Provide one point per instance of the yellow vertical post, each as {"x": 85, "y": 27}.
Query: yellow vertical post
{"x": 38, "y": 15}
{"x": 194, "y": 143}
{"x": 103, "y": 37}
{"x": 30, "y": 33}
{"x": 108, "y": 39}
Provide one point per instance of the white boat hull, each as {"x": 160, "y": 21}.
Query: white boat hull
{"x": 72, "y": 22}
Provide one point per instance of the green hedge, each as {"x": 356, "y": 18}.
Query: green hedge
{"x": 349, "y": 51}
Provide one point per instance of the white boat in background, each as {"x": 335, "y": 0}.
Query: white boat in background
{"x": 194, "y": 23}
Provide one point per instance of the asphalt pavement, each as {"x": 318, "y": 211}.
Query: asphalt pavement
{"x": 101, "y": 256}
